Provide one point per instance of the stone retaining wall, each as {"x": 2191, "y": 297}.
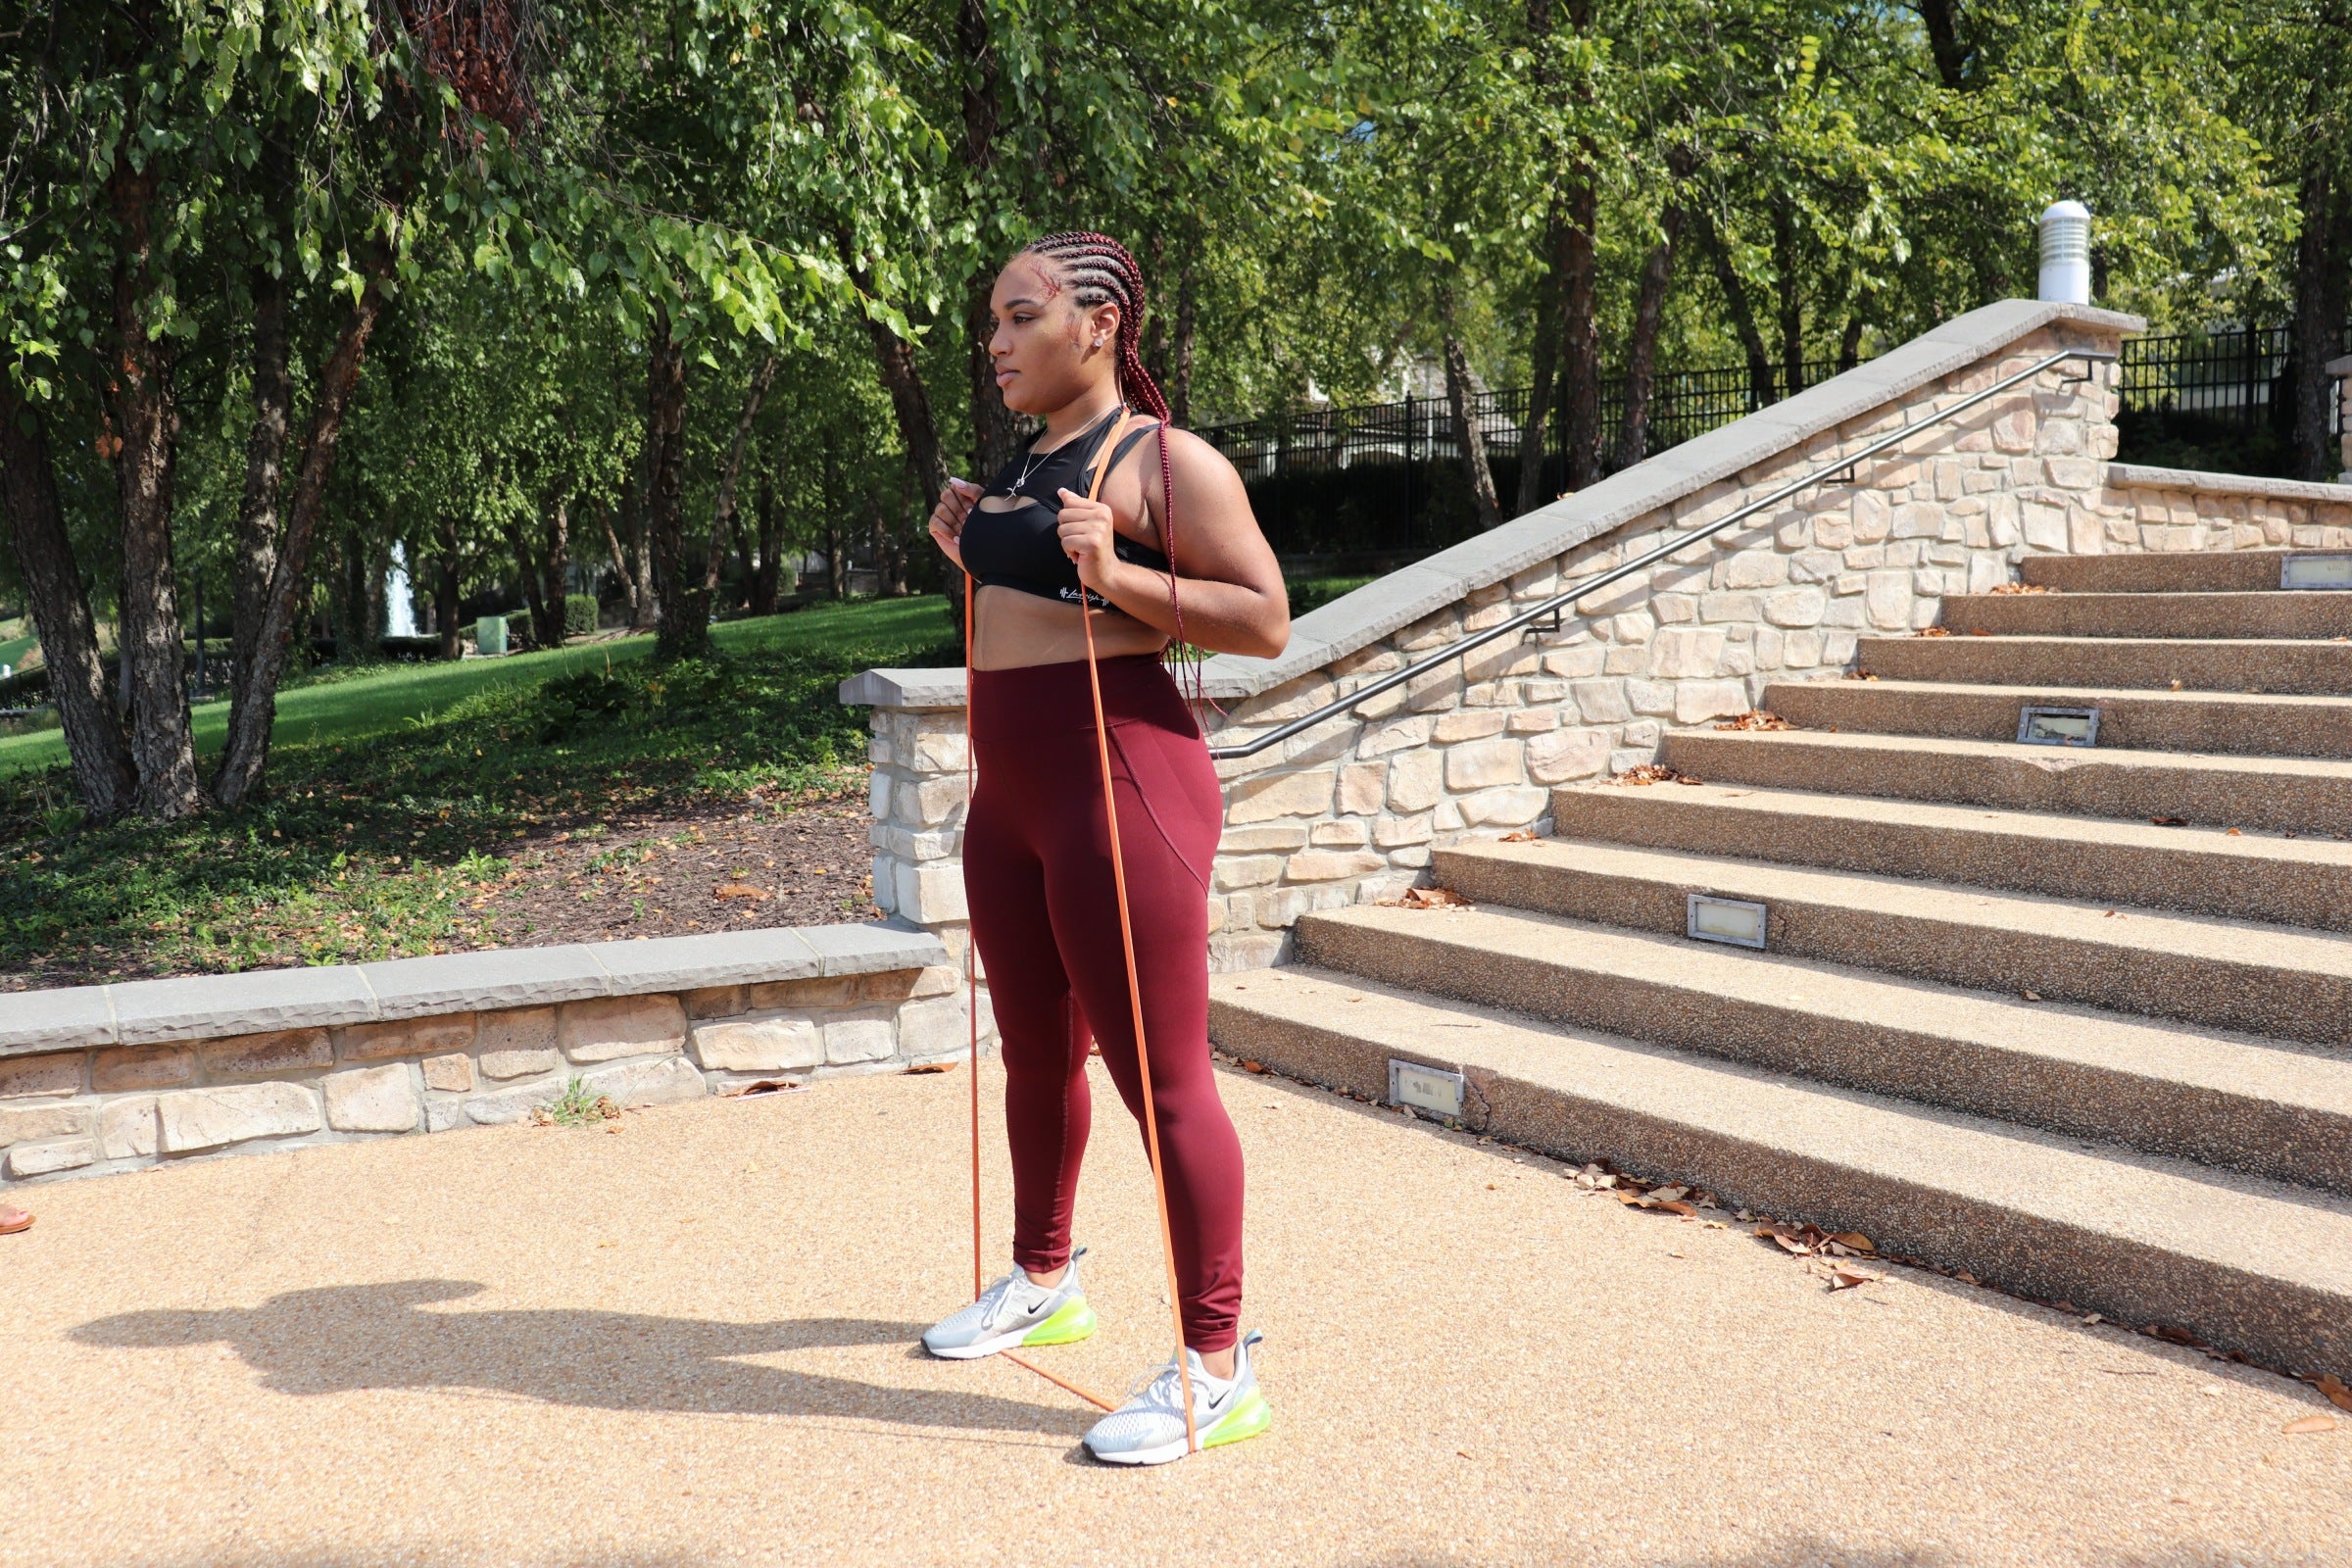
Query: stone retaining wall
{"x": 1349, "y": 811}
{"x": 115, "y": 1077}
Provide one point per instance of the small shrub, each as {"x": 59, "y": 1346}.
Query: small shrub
{"x": 579, "y": 614}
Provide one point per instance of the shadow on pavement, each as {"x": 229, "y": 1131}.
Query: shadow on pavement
{"x": 350, "y": 1338}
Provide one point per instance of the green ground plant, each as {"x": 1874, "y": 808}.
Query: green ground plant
{"x": 401, "y": 792}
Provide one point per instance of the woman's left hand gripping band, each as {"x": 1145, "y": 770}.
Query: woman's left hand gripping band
{"x": 1089, "y": 540}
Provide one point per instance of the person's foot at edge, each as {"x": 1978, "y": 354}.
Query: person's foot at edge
{"x": 13, "y": 1220}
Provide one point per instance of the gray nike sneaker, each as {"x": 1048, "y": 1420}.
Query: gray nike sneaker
{"x": 1013, "y": 1312}
{"x": 1148, "y": 1429}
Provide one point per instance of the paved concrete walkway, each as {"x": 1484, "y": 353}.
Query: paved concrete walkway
{"x": 689, "y": 1342}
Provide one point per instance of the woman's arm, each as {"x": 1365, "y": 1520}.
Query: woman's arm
{"x": 1230, "y": 585}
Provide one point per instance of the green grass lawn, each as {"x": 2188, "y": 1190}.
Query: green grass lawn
{"x": 397, "y": 793}
{"x": 13, "y": 648}
{"x": 350, "y": 704}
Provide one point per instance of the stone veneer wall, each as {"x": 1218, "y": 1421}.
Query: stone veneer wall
{"x": 1349, "y": 811}
{"x": 2341, "y": 370}
{"x": 115, "y": 1077}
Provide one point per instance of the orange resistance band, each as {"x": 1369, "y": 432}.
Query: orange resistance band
{"x": 1135, "y": 994}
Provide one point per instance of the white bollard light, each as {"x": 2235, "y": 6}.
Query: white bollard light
{"x": 2066, "y": 253}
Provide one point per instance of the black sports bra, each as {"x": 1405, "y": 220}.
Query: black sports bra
{"x": 1019, "y": 548}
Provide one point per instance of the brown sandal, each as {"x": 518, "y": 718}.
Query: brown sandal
{"x": 13, "y": 1220}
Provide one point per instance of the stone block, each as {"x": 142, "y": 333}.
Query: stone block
{"x": 126, "y": 1128}
{"x": 931, "y": 894}
{"x": 1503, "y": 808}
{"x": 1795, "y": 607}
{"x": 132, "y": 1068}
{"x": 1570, "y": 753}
{"x": 519, "y": 1029}
{"x": 938, "y": 1027}
{"x": 621, "y": 1026}
{"x": 449, "y": 1074}
{"x": 936, "y": 980}
{"x": 1697, "y": 701}
{"x": 1362, "y": 786}
{"x": 1755, "y": 569}
{"x": 1716, "y": 609}
{"x": 42, "y": 1159}
{"x": 649, "y": 1083}
{"x": 1396, "y": 735}
{"x": 855, "y": 1039}
{"x": 282, "y": 1051}
{"x": 1416, "y": 780}
{"x": 74, "y": 1017}
{"x": 411, "y": 1037}
{"x": 211, "y": 1118}
{"x": 1469, "y": 725}
{"x": 1330, "y": 865}
{"x": 31, "y": 1125}
{"x": 504, "y": 1064}
{"x": 1245, "y": 871}
{"x": 1485, "y": 764}
{"x": 372, "y": 1099}
{"x": 474, "y": 982}
{"x": 1342, "y": 834}
{"x": 1889, "y": 599}
{"x": 1533, "y": 721}
{"x": 1685, "y": 652}
{"x": 758, "y": 1045}
{"x": 1601, "y": 701}
{"x": 1277, "y": 838}
{"x": 443, "y": 1112}
{"x": 1396, "y": 832}
{"x": 1919, "y": 519}
{"x": 714, "y": 1002}
{"x": 502, "y": 1105}
{"x": 261, "y": 1001}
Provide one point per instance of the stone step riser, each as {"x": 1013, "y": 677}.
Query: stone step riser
{"x": 2215, "y": 571}
{"x": 2024, "y": 778}
{"x": 2248, "y": 726}
{"x": 2161, "y": 614}
{"x": 2188, "y": 880}
{"x": 2235, "y": 1132}
{"x": 2281, "y": 1003}
{"x": 2312, "y": 668}
{"x": 2276, "y": 1322}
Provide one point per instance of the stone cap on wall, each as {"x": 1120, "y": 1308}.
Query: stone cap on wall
{"x": 1400, "y": 598}
{"x": 2228, "y": 484}
{"x": 2342, "y": 367}
{"x": 200, "y": 1007}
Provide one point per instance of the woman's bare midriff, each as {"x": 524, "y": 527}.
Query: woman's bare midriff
{"x": 1014, "y": 630}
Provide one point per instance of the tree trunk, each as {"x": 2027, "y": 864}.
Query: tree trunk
{"x": 1468, "y": 433}
{"x": 1943, "y": 41}
{"x": 723, "y": 514}
{"x": 1760, "y": 386}
{"x": 555, "y": 567}
{"x": 767, "y": 572}
{"x": 1580, "y": 335}
{"x": 644, "y": 610}
{"x": 357, "y": 638}
{"x": 446, "y": 583}
{"x": 1850, "y": 344}
{"x": 253, "y": 705}
{"x": 1791, "y": 298}
{"x": 1544, "y": 352}
{"x": 147, "y": 422}
{"x": 534, "y": 596}
{"x": 685, "y": 631}
{"x": 265, "y": 468}
{"x": 1178, "y": 386}
{"x": 1642, "y": 350}
{"x": 61, "y": 612}
{"x": 2318, "y": 326}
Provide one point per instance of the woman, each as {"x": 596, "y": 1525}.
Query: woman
{"x": 1168, "y": 550}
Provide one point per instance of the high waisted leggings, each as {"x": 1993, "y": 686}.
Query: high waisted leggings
{"x": 1046, "y": 918}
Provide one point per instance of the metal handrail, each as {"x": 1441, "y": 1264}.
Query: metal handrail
{"x": 1584, "y": 590}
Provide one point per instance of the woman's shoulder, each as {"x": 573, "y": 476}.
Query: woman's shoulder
{"x": 1191, "y": 454}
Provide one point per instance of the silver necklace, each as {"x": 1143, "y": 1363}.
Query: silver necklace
{"x": 1037, "y": 460}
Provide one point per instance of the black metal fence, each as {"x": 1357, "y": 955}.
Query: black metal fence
{"x": 1387, "y": 479}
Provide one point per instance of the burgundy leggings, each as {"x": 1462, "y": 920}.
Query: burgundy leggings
{"x": 1045, "y": 917}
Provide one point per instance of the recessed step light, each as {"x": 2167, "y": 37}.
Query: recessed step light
{"x": 2058, "y": 727}
{"x": 2314, "y": 571}
{"x": 1737, "y": 921}
{"x": 1424, "y": 1087}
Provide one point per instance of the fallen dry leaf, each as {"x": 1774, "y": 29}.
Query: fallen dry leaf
{"x": 1429, "y": 899}
{"x": 738, "y": 890}
{"x": 1845, "y": 1276}
{"x": 1653, "y": 774}
{"x": 1254, "y": 1066}
{"x": 2309, "y": 1424}
{"x": 2019, "y": 588}
{"x": 2169, "y": 821}
{"x": 1932, "y": 631}
{"x": 1759, "y": 718}
{"x": 933, "y": 1066}
{"x": 1855, "y": 1240}
{"x": 1523, "y": 836}
{"x": 2337, "y": 1395}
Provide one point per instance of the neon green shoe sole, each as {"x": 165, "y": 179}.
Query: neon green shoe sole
{"x": 1075, "y": 1322}
{"x": 1248, "y": 1421}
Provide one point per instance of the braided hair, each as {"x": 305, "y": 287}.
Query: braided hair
{"x": 1099, "y": 270}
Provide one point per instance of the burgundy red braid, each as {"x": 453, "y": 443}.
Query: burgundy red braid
{"x": 1099, "y": 270}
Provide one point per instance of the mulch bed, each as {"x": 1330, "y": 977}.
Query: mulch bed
{"x": 717, "y": 869}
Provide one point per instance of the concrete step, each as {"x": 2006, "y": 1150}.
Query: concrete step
{"x": 2161, "y": 614}
{"x": 2267, "y": 725}
{"x": 2286, "y": 983}
{"x": 2199, "y": 871}
{"x": 2229, "y": 1101}
{"x": 2159, "y": 663}
{"x": 2211, "y": 572}
{"x": 2268, "y": 794}
{"x": 2243, "y": 1263}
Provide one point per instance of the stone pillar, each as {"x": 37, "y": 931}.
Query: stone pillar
{"x": 2341, "y": 370}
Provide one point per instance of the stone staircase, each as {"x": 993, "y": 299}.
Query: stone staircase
{"x": 2075, "y": 1020}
